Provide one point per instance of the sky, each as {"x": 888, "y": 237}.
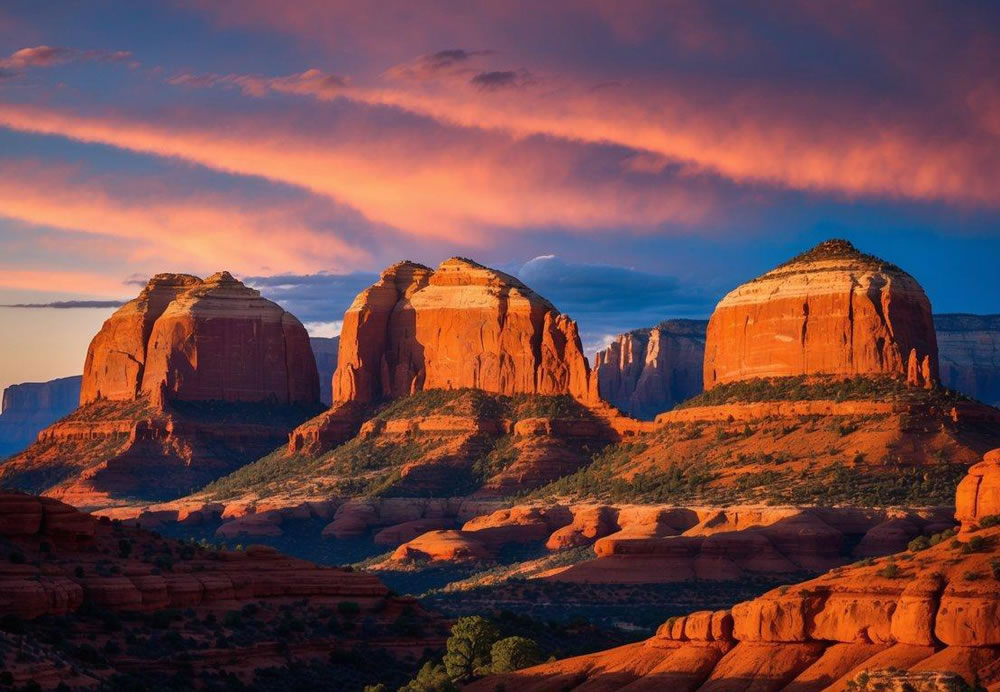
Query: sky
{"x": 631, "y": 160}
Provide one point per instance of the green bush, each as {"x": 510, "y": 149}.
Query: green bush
{"x": 468, "y": 647}
{"x": 514, "y": 653}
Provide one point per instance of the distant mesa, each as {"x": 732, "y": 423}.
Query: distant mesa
{"x": 325, "y": 351}
{"x": 30, "y": 406}
{"x": 461, "y": 325}
{"x": 830, "y": 311}
{"x": 970, "y": 354}
{"x": 648, "y": 371}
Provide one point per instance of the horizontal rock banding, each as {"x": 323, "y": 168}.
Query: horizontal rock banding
{"x": 830, "y": 311}
{"x": 185, "y": 339}
{"x": 462, "y": 325}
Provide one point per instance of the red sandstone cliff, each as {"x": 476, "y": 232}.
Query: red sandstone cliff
{"x": 832, "y": 310}
{"x": 462, "y": 325}
{"x": 649, "y": 371}
{"x": 185, "y": 383}
{"x": 193, "y": 340}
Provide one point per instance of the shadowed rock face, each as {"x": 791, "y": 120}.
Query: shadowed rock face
{"x": 462, "y": 325}
{"x": 184, "y": 339}
{"x": 649, "y": 371}
{"x": 970, "y": 354}
{"x": 832, "y": 310}
{"x": 29, "y": 407}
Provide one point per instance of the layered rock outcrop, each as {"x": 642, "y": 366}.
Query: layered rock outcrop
{"x": 461, "y": 325}
{"x": 648, "y": 371}
{"x": 830, "y": 311}
{"x": 933, "y": 610}
{"x": 325, "y": 351}
{"x": 185, "y": 383}
{"x": 31, "y": 406}
{"x": 969, "y": 348}
{"x": 187, "y": 339}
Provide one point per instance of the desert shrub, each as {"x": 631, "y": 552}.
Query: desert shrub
{"x": 890, "y": 571}
{"x": 514, "y": 653}
{"x": 919, "y": 543}
{"x": 468, "y": 647}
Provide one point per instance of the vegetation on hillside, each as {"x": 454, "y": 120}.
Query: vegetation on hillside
{"x": 814, "y": 388}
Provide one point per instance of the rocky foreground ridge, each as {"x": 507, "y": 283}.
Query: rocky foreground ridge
{"x": 187, "y": 382}
{"x": 932, "y": 609}
{"x": 31, "y": 406}
{"x": 141, "y": 605}
{"x": 832, "y": 310}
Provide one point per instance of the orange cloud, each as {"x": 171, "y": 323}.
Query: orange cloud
{"x": 161, "y": 228}
{"x": 449, "y": 184}
{"x": 61, "y": 281}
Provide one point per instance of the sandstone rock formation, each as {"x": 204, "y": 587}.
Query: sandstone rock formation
{"x": 325, "y": 351}
{"x": 648, "y": 371}
{"x": 184, "y": 339}
{"x": 185, "y": 383}
{"x": 832, "y": 310}
{"x": 461, "y": 325}
{"x": 969, "y": 348}
{"x": 31, "y": 406}
{"x": 933, "y": 611}
{"x": 61, "y": 562}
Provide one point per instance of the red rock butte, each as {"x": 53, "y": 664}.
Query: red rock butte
{"x": 830, "y": 311}
{"x": 187, "y": 339}
{"x": 462, "y": 325}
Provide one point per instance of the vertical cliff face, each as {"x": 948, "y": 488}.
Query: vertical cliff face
{"x": 184, "y": 339}
{"x": 648, "y": 371}
{"x": 970, "y": 354}
{"x": 462, "y": 325}
{"x": 29, "y": 407}
{"x": 832, "y": 310}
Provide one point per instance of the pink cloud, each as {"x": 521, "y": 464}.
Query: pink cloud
{"x": 452, "y": 183}
{"x": 156, "y": 227}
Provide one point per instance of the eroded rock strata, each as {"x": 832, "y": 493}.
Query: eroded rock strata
{"x": 930, "y": 610}
{"x": 832, "y": 310}
{"x": 183, "y": 384}
{"x": 221, "y": 611}
{"x": 648, "y": 371}
{"x": 461, "y": 325}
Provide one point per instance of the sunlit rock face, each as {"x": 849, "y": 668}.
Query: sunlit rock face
{"x": 461, "y": 325}
{"x": 970, "y": 354}
{"x": 648, "y": 371}
{"x": 830, "y": 311}
{"x": 187, "y": 339}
